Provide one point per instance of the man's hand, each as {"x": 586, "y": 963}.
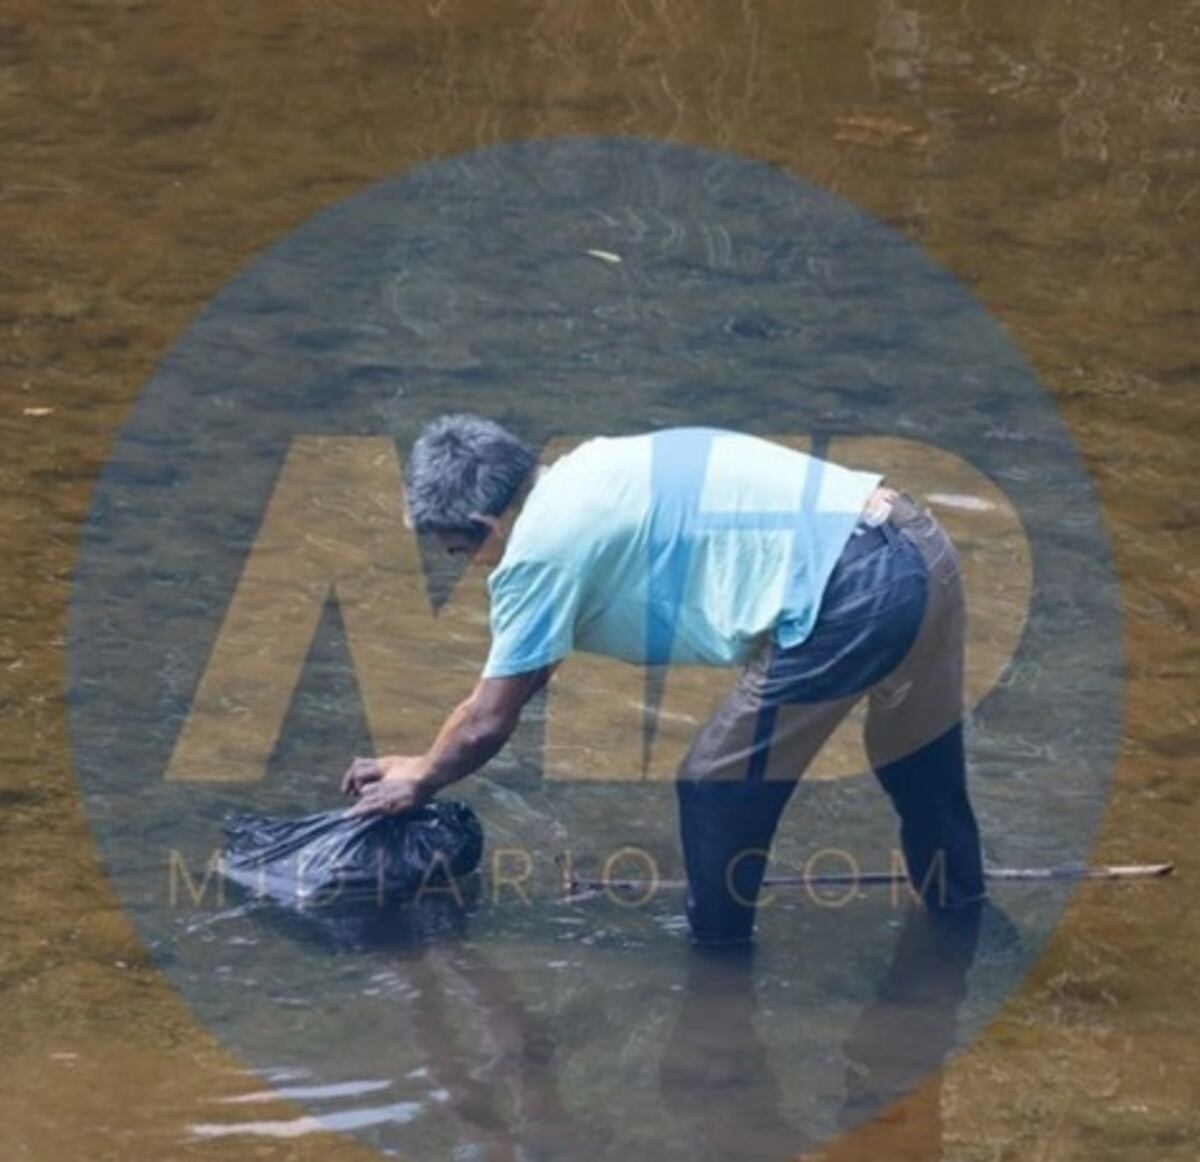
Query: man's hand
{"x": 393, "y": 795}
{"x": 367, "y": 779}
{"x": 473, "y": 734}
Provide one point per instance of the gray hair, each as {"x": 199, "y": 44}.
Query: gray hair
{"x": 461, "y": 465}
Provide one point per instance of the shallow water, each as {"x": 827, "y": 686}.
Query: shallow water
{"x": 1043, "y": 154}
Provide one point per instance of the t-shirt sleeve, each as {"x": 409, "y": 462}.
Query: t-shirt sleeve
{"x": 532, "y": 611}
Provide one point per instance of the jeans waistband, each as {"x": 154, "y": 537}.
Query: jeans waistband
{"x": 866, "y": 538}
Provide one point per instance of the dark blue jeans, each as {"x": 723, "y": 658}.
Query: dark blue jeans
{"x": 890, "y": 628}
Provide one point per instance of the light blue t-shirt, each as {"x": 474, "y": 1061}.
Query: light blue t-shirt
{"x": 688, "y": 545}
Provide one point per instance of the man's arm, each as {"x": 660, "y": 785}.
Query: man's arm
{"x": 475, "y": 732}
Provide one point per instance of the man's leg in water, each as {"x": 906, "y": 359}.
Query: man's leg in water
{"x": 727, "y": 820}
{"x": 914, "y": 730}
{"x": 883, "y": 603}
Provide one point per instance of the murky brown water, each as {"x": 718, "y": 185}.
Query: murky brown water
{"x": 1046, "y": 153}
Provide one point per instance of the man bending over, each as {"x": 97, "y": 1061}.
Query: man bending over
{"x": 702, "y": 546}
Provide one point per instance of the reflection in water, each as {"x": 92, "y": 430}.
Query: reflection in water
{"x": 365, "y": 926}
{"x": 512, "y": 1065}
{"x": 344, "y": 1121}
{"x": 908, "y": 1031}
{"x": 496, "y": 1082}
{"x": 716, "y": 1077}
{"x": 715, "y": 1061}
{"x": 494, "y": 1068}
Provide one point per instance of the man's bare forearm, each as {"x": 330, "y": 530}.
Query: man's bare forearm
{"x": 469, "y": 738}
{"x": 475, "y": 732}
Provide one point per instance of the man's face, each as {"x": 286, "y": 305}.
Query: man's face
{"x": 463, "y": 544}
{"x": 457, "y": 544}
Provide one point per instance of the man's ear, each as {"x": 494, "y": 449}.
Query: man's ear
{"x": 492, "y": 522}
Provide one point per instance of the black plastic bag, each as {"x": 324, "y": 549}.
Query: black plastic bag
{"x": 335, "y": 859}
